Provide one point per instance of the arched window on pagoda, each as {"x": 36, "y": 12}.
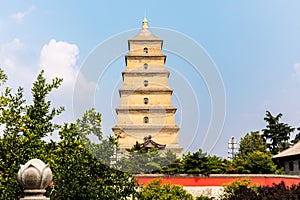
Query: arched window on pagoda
{"x": 145, "y": 50}
{"x": 146, "y": 83}
{"x": 146, "y": 120}
{"x": 145, "y": 65}
{"x": 146, "y": 100}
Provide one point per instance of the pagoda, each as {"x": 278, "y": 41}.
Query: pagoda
{"x": 145, "y": 108}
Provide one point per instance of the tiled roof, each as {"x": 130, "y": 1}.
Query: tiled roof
{"x": 150, "y": 143}
{"x": 294, "y": 150}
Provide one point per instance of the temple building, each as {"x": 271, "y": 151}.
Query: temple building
{"x": 146, "y": 114}
{"x": 289, "y": 159}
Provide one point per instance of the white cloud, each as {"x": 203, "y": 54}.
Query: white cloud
{"x": 59, "y": 59}
{"x": 297, "y": 69}
{"x": 19, "y": 16}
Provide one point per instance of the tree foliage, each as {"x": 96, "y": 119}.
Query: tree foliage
{"x": 89, "y": 130}
{"x": 81, "y": 166}
{"x": 276, "y": 134}
{"x": 172, "y": 164}
{"x": 252, "y": 162}
{"x": 243, "y": 189}
{"x": 253, "y": 157}
{"x": 193, "y": 163}
{"x": 155, "y": 190}
{"x": 142, "y": 160}
{"x": 297, "y": 137}
{"x": 202, "y": 197}
{"x": 201, "y": 163}
{"x": 83, "y": 176}
{"x": 24, "y": 129}
{"x": 256, "y": 162}
{"x": 232, "y": 190}
{"x": 145, "y": 160}
{"x": 196, "y": 163}
{"x": 251, "y": 142}
{"x": 77, "y": 173}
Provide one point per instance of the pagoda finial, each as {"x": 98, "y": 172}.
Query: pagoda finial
{"x": 145, "y": 24}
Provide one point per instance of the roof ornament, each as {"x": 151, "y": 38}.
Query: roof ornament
{"x": 145, "y": 24}
{"x": 145, "y": 34}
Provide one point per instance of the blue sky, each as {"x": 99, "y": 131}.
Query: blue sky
{"x": 255, "y": 46}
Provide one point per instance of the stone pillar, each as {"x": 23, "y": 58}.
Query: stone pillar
{"x": 35, "y": 176}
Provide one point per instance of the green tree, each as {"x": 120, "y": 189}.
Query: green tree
{"x": 201, "y": 163}
{"x": 215, "y": 165}
{"x": 256, "y": 162}
{"x": 232, "y": 190}
{"x": 251, "y": 142}
{"x": 89, "y": 130}
{"x": 175, "y": 166}
{"x": 229, "y": 167}
{"x": 155, "y": 190}
{"x": 243, "y": 189}
{"x": 77, "y": 173}
{"x": 202, "y": 197}
{"x": 193, "y": 163}
{"x": 297, "y": 137}
{"x": 260, "y": 163}
{"x": 253, "y": 157}
{"x": 24, "y": 128}
{"x": 145, "y": 160}
{"x": 276, "y": 134}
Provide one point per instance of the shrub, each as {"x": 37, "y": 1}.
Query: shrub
{"x": 244, "y": 190}
{"x": 240, "y": 189}
{"x": 155, "y": 190}
{"x": 204, "y": 198}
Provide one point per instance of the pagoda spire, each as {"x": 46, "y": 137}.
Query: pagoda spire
{"x": 145, "y": 24}
{"x": 144, "y": 34}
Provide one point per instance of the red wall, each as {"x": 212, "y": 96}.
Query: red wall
{"x": 220, "y": 180}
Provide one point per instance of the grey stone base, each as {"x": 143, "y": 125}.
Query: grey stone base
{"x": 35, "y": 194}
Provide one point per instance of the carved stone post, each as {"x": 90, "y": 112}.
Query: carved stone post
{"x": 35, "y": 176}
